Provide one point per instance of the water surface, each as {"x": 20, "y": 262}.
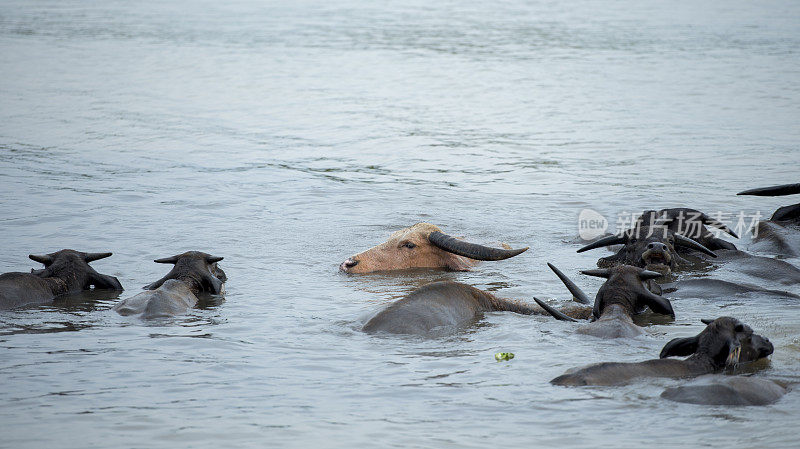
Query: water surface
{"x": 286, "y": 137}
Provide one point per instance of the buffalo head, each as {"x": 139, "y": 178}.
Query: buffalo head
{"x": 658, "y": 237}
{"x": 198, "y": 270}
{"x": 624, "y": 287}
{"x": 73, "y": 268}
{"x": 725, "y": 342}
{"x": 423, "y": 246}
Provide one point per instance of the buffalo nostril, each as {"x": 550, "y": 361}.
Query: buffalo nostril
{"x": 651, "y": 246}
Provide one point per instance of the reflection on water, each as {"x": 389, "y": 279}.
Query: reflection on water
{"x": 286, "y": 137}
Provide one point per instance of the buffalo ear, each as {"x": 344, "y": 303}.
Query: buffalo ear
{"x": 680, "y": 347}
{"x": 707, "y": 321}
{"x": 46, "y": 259}
{"x": 213, "y": 285}
{"x": 103, "y": 281}
{"x": 172, "y": 259}
{"x": 657, "y": 304}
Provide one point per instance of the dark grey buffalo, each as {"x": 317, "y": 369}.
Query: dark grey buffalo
{"x": 658, "y": 240}
{"x": 663, "y": 240}
{"x": 621, "y": 297}
{"x": 440, "y": 307}
{"x": 66, "y": 271}
{"x": 194, "y": 273}
{"x": 727, "y": 390}
{"x": 781, "y": 233}
{"x": 725, "y": 342}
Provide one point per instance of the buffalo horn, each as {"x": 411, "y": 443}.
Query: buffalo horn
{"x": 46, "y": 259}
{"x": 471, "y": 250}
{"x": 689, "y": 243}
{"x": 556, "y": 313}
{"x": 605, "y": 241}
{"x": 577, "y": 293}
{"x": 91, "y": 257}
{"x": 781, "y": 190}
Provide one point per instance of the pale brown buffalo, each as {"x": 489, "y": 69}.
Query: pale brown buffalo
{"x": 423, "y": 246}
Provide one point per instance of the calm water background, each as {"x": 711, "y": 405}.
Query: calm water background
{"x": 286, "y": 137}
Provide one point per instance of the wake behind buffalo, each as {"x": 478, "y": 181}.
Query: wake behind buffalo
{"x": 638, "y": 284}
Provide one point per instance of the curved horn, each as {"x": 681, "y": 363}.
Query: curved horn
{"x": 719, "y": 225}
{"x": 46, "y": 259}
{"x": 577, "y": 293}
{"x": 647, "y": 274}
{"x": 556, "y": 314}
{"x": 91, "y": 257}
{"x": 601, "y": 273}
{"x": 689, "y": 243}
{"x": 172, "y": 259}
{"x": 781, "y": 190}
{"x": 213, "y": 259}
{"x": 707, "y": 321}
{"x": 605, "y": 241}
{"x": 471, "y": 250}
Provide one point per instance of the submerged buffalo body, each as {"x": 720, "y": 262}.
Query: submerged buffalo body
{"x": 781, "y": 233}
{"x": 423, "y": 246}
{"x": 725, "y": 342}
{"x": 727, "y": 390}
{"x": 194, "y": 272}
{"x": 66, "y": 271}
{"x": 439, "y": 307}
{"x": 620, "y": 297}
{"x": 659, "y": 240}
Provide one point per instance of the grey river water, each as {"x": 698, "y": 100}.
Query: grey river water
{"x": 287, "y": 136}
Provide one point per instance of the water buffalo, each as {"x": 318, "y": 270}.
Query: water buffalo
{"x": 194, "y": 272}
{"x": 727, "y": 390}
{"x": 725, "y": 342}
{"x": 65, "y": 271}
{"x": 439, "y": 307}
{"x": 656, "y": 236}
{"x": 618, "y": 299}
{"x": 781, "y": 233}
{"x": 423, "y": 246}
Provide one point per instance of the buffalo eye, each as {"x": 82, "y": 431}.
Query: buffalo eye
{"x": 409, "y": 245}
